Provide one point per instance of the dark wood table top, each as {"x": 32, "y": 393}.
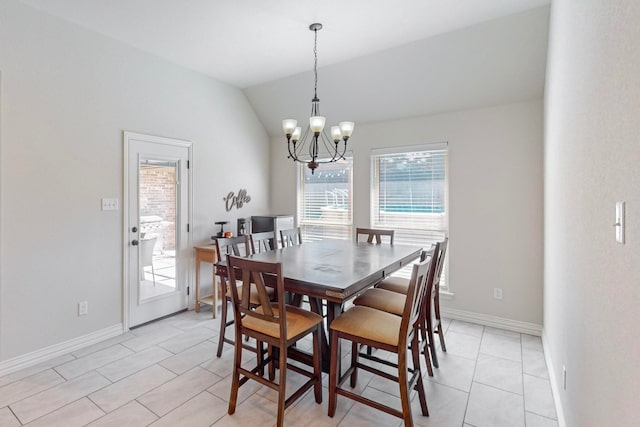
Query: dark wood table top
{"x": 336, "y": 270}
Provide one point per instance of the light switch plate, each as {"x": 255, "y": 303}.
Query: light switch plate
{"x": 109, "y": 204}
{"x": 83, "y": 308}
{"x": 619, "y": 224}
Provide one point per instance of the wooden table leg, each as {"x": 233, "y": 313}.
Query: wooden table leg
{"x": 316, "y": 307}
{"x": 334, "y": 310}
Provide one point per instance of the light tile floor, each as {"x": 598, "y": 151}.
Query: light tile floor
{"x": 166, "y": 374}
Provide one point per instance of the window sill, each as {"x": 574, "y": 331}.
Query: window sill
{"x": 446, "y": 294}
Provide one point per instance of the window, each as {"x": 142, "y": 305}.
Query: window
{"x": 324, "y": 201}
{"x": 409, "y": 194}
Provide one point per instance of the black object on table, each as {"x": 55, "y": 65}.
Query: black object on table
{"x": 221, "y": 232}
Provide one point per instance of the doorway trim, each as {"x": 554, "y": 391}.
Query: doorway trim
{"x": 127, "y": 137}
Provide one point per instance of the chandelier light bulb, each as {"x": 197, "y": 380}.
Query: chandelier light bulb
{"x": 336, "y": 135}
{"x": 296, "y": 134}
{"x": 288, "y": 126}
{"x": 346, "y": 129}
{"x": 316, "y": 123}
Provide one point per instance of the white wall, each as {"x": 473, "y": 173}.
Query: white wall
{"x": 592, "y": 153}
{"x": 67, "y": 95}
{"x": 495, "y": 183}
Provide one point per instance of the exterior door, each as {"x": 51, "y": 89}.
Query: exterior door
{"x": 157, "y": 242}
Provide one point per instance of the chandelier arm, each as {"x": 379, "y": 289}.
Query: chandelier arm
{"x": 291, "y": 154}
{"x": 300, "y": 146}
{"x": 329, "y": 146}
{"x": 337, "y": 154}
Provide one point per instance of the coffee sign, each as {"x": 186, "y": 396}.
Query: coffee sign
{"x": 232, "y": 200}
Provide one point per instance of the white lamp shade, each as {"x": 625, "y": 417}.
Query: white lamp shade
{"x": 288, "y": 126}
{"x": 316, "y": 123}
{"x": 296, "y": 134}
{"x": 346, "y": 128}
{"x": 336, "y": 135}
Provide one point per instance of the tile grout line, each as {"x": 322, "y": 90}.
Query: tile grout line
{"x": 146, "y": 407}
{"x": 541, "y": 416}
{"x": 475, "y": 366}
{"x": 14, "y": 414}
{"x": 224, "y": 415}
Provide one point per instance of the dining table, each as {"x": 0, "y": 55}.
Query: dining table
{"x": 331, "y": 272}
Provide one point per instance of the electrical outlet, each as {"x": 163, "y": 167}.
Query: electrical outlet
{"x": 497, "y": 293}
{"x": 109, "y": 204}
{"x": 564, "y": 377}
{"x": 83, "y": 308}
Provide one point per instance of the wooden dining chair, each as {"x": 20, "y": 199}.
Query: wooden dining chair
{"x": 238, "y": 246}
{"x": 397, "y": 284}
{"x": 389, "y": 296}
{"x": 276, "y": 324}
{"x": 291, "y": 237}
{"x": 374, "y": 235}
{"x": 396, "y": 334}
{"x": 262, "y": 242}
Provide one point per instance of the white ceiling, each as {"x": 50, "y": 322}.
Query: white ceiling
{"x": 248, "y": 42}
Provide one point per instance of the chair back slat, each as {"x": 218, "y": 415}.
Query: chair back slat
{"x": 263, "y": 297}
{"x": 257, "y": 274}
{"x": 291, "y": 237}
{"x": 245, "y": 302}
{"x": 374, "y": 235}
{"x": 263, "y": 242}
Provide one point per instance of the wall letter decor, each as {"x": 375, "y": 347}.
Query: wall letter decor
{"x": 232, "y": 200}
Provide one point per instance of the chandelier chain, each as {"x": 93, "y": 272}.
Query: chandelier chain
{"x": 315, "y": 63}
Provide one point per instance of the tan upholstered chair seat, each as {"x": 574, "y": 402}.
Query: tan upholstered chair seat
{"x": 394, "y": 284}
{"x": 298, "y": 321}
{"x": 381, "y": 299}
{"x": 253, "y": 298}
{"x": 370, "y": 324}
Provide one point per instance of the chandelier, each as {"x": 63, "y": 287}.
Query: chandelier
{"x": 315, "y": 135}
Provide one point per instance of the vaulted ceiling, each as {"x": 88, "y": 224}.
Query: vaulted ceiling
{"x": 378, "y": 59}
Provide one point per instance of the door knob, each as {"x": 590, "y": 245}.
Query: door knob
{"x": 134, "y": 229}
{"x": 134, "y": 243}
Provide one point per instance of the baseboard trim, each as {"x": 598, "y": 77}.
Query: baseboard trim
{"x": 47, "y": 353}
{"x": 553, "y": 379}
{"x": 493, "y": 321}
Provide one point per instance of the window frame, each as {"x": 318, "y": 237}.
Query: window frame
{"x": 374, "y": 203}
{"x": 303, "y": 222}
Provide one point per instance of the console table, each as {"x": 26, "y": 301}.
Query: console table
{"x": 206, "y": 254}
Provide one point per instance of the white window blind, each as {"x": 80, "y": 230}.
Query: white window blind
{"x": 409, "y": 195}
{"x": 325, "y": 202}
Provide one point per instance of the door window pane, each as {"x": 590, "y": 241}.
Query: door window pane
{"x": 158, "y": 205}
